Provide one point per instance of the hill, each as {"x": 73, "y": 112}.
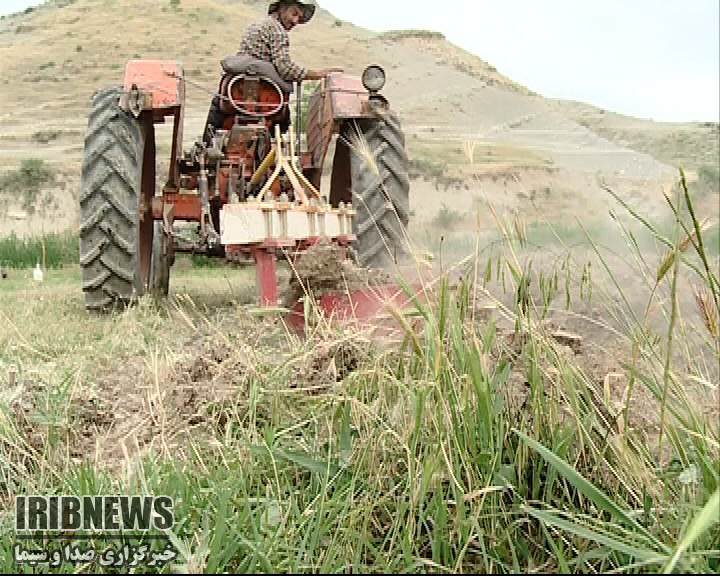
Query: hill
{"x": 474, "y": 135}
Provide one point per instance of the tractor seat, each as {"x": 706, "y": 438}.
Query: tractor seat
{"x": 243, "y": 64}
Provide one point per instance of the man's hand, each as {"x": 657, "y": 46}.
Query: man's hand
{"x": 319, "y": 74}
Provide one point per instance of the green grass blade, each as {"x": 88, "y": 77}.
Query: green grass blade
{"x": 597, "y": 496}
{"x": 588, "y": 534}
{"x": 705, "y": 518}
{"x": 303, "y": 460}
{"x": 559, "y": 556}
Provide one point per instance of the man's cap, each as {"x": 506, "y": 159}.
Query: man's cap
{"x": 308, "y": 8}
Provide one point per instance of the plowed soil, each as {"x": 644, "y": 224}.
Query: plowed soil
{"x": 324, "y": 268}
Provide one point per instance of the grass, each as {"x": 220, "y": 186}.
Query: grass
{"x": 458, "y": 443}
{"x": 447, "y": 161}
{"x": 54, "y": 250}
{"x": 61, "y": 249}
{"x": 466, "y": 444}
{"x": 676, "y": 145}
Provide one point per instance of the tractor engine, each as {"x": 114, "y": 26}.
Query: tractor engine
{"x": 231, "y": 163}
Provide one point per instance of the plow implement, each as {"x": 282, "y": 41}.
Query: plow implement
{"x": 363, "y": 307}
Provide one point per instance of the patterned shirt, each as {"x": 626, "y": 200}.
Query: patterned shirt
{"x": 268, "y": 40}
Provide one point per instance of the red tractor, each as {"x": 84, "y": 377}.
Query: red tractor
{"x": 251, "y": 183}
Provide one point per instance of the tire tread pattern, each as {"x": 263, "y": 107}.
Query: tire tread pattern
{"x": 380, "y": 192}
{"x": 109, "y": 199}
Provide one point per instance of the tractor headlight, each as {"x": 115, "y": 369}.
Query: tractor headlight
{"x": 373, "y": 78}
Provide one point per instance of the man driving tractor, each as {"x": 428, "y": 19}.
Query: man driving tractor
{"x": 267, "y": 41}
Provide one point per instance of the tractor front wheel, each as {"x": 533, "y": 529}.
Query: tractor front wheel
{"x": 380, "y": 190}
{"x": 117, "y": 186}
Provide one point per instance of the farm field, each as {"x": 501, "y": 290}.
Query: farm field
{"x": 475, "y": 435}
{"x": 547, "y": 401}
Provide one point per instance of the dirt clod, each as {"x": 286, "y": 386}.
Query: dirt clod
{"x": 323, "y": 268}
{"x": 573, "y": 341}
{"x": 330, "y": 362}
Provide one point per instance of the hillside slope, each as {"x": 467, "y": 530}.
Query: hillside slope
{"x": 493, "y": 139}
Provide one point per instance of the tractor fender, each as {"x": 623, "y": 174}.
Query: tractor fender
{"x": 347, "y": 97}
{"x": 152, "y": 85}
{"x": 342, "y": 98}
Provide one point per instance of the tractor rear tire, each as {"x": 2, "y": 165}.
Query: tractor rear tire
{"x": 380, "y": 191}
{"x": 116, "y": 240}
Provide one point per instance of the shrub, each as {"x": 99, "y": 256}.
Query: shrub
{"x": 446, "y": 219}
{"x": 27, "y": 182}
{"x": 45, "y": 136}
{"x": 412, "y": 33}
{"x": 203, "y": 261}
{"x": 309, "y": 88}
{"x": 429, "y": 169}
{"x": 709, "y": 175}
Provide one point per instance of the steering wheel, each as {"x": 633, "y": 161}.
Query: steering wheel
{"x": 238, "y": 105}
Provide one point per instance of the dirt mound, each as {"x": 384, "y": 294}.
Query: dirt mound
{"x": 329, "y": 363}
{"x": 323, "y": 268}
{"x": 138, "y": 409}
